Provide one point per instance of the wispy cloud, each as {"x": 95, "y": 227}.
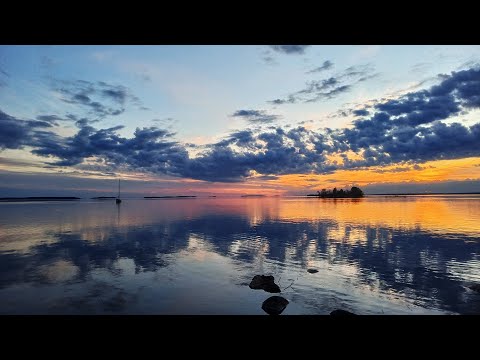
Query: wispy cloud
{"x": 256, "y": 116}
{"x": 100, "y": 99}
{"x": 331, "y": 87}
{"x": 290, "y": 49}
{"x": 325, "y": 66}
{"x": 3, "y": 74}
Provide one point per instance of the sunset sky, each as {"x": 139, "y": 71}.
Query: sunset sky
{"x": 278, "y": 119}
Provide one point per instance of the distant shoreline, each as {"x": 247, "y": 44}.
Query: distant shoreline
{"x": 39, "y": 198}
{"x": 411, "y": 194}
{"x": 170, "y": 197}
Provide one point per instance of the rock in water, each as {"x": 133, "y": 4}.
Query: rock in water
{"x": 259, "y": 281}
{"x": 265, "y": 282}
{"x": 339, "y": 312}
{"x": 271, "y": 288}
{"x": 274, "y": 305}
{"x": 475, "y": 287}
{"x": 312, "y": 271}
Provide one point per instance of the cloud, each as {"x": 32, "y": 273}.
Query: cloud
{"x": 47, "y": 62}
{"x": 100, "y": 99}
{"x": 270, "y": 153}
{"x": 400, "y": 169}
{"x": 49, "y": 118}
{"x": 16, "y": 133}
{"x": 410, "y": 129}
{"x": 267, "y": 177}
{"x": 290, "y": 100}
{"x": 256, "y": 116}
{"x": 148, "y": 149}
{"x": 3, "y": 73}
{"x": 331, "y": 87}
{"x": 16, "y": 162}
{"x": 290, "y": 49}
{"x": 305, "y": 122}
{"x": 52, "y": 119}
{"x": 269, "y": 60}
{"x": 325, "y": 66}
{"x": 405, "y": 132}
{"x": 361, "y": 112}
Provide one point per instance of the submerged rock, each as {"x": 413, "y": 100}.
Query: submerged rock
{"x": 340, "y": 312}
{"x": 274, "y": 305}
{"x": 475, "y": 287}
{"x": 265, "y": 282}
{"x": 312, "y": 271}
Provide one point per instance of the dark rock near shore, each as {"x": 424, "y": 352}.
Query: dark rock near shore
{"x": 274, "y": 305}
{"x": 272, "y": 288}
{"x": 312, "y": 271}
{"x": 475, "y": 287}
{"x": 265, "y": 282}
{"x": 259, "y": 281}
{"x": 340, "y": 312}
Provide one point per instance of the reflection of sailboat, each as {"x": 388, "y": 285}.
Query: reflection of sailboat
{"x": 118, "y": 200}
{"x": 118, "y": 216}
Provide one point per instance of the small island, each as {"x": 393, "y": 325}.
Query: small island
{"x": 354, "y": 192}
{"x": 103, "y": 197}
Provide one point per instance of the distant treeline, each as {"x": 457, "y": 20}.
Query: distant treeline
{"x": 354, "y": 192}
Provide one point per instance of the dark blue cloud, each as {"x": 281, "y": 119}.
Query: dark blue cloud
{"x": 148, "y": 150}
{"x": 290, "y": 49}
{"x": 361, "y": 112}
{"x": 16, "y": 133}
{"x": 325, "y": 66}
{"x": 256, "y": 116}
{"x": 409, "y": 129}
{"x": 277, "y": 152}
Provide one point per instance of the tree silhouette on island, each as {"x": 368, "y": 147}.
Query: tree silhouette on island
{"x": 354, "y": 192}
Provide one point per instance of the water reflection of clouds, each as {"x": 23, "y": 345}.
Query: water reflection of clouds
{"x": 369, "y": 260}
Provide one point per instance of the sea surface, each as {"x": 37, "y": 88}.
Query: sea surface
{"x": 376, "y": 255}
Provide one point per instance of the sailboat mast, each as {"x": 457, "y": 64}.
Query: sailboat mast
{"x": 118, "y": 188}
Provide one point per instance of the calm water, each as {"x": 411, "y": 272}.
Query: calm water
{"x": 378, "y": 255}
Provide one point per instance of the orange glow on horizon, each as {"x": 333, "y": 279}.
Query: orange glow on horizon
{"x": 429, "y": 172}
{"x": 432, "y": 171}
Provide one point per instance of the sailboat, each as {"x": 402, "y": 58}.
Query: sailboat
{"x": 118, "y": 200}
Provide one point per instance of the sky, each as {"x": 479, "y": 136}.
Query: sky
{"x": 238, "y": 119}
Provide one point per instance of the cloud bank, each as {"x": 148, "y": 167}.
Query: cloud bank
{"x": 408, "y": 130}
